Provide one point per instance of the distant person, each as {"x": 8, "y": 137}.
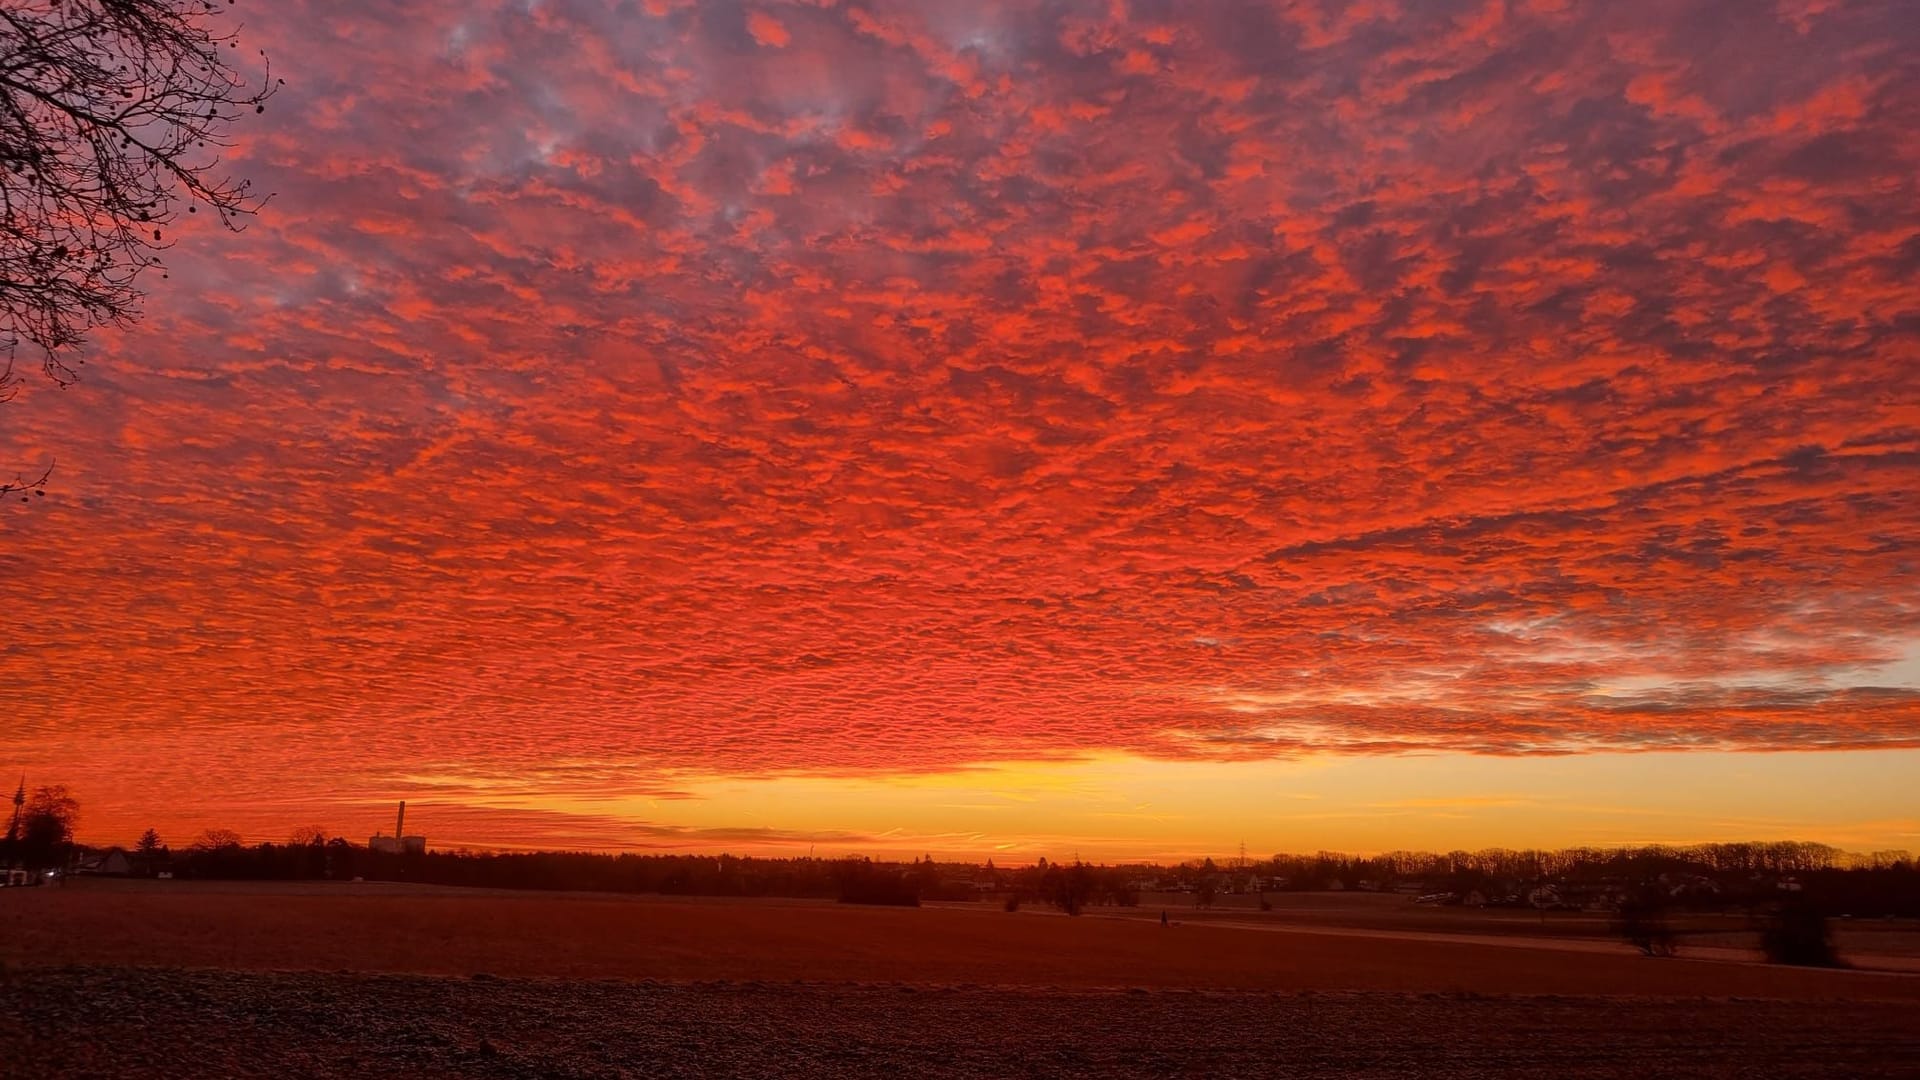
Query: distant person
{"x": 1163, "y": 916}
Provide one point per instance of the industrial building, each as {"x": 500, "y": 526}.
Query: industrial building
{"x": 399, "y": 843}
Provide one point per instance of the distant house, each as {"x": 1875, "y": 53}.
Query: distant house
{"x": 1690, "y": 886}
{"x": 112, "y": 862}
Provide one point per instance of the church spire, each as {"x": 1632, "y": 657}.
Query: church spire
{"x": 19, "y": 800}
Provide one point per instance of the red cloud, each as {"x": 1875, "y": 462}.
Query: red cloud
{"x": 767, "y": 30}
{"x": 955, "y": 383}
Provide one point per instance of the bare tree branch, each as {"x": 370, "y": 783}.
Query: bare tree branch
{"x": 112, "y": 113}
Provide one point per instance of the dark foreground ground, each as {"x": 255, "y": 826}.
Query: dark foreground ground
{"x": 131, "y": 1022}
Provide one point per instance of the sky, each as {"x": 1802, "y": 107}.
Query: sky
{"x": 1012, "y": 427}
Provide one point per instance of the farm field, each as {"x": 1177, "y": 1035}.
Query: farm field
{"x": 1875, "y": 943}
{"x": 131, "y": 1022}
{"x": 176, "y": 978}
{"x": 431, "y": 930}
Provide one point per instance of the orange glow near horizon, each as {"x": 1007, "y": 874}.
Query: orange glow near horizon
{"x": 752, "y": 426}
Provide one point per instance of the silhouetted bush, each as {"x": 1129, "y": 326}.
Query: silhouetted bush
{"x": 1642, "y": 922}
{"x": 1796, "y": 933}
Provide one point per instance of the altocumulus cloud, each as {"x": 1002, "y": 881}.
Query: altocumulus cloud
{"x": 829, "y": 387}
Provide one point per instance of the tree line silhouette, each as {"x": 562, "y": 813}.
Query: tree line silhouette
{"x": 1697, "y": 877}
{"x": 1641, "y": 883}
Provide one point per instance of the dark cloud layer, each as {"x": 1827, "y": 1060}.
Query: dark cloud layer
{"x": 715, "y": 388}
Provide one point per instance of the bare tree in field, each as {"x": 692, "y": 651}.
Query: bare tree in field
{"x": 216, "y": 840}
{"x": 112, "y": 116}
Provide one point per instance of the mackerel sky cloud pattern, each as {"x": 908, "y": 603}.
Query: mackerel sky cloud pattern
{"x": 620, "y": 391}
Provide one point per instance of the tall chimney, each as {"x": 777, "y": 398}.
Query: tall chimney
{"x": 400, "y": 826}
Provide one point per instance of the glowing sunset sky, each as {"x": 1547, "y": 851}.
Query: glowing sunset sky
{"x": 1022, "y": 426}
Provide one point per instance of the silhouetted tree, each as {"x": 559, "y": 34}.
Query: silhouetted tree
{"x": 1116, "y": 887}
{"x": 1796, "y": 933}
{"x": 1642, "y": 921}
{"x": 926, "y": 877}
{"x": 150, "y": 854}
{"x": 1068, "y": 888}
{"x": 862, "y": 882}
{"x": 215, "y": 840}
{"x": 46, "y": 827}
{"x": 341, "y": 859}
{"x": 111, "y": 116}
